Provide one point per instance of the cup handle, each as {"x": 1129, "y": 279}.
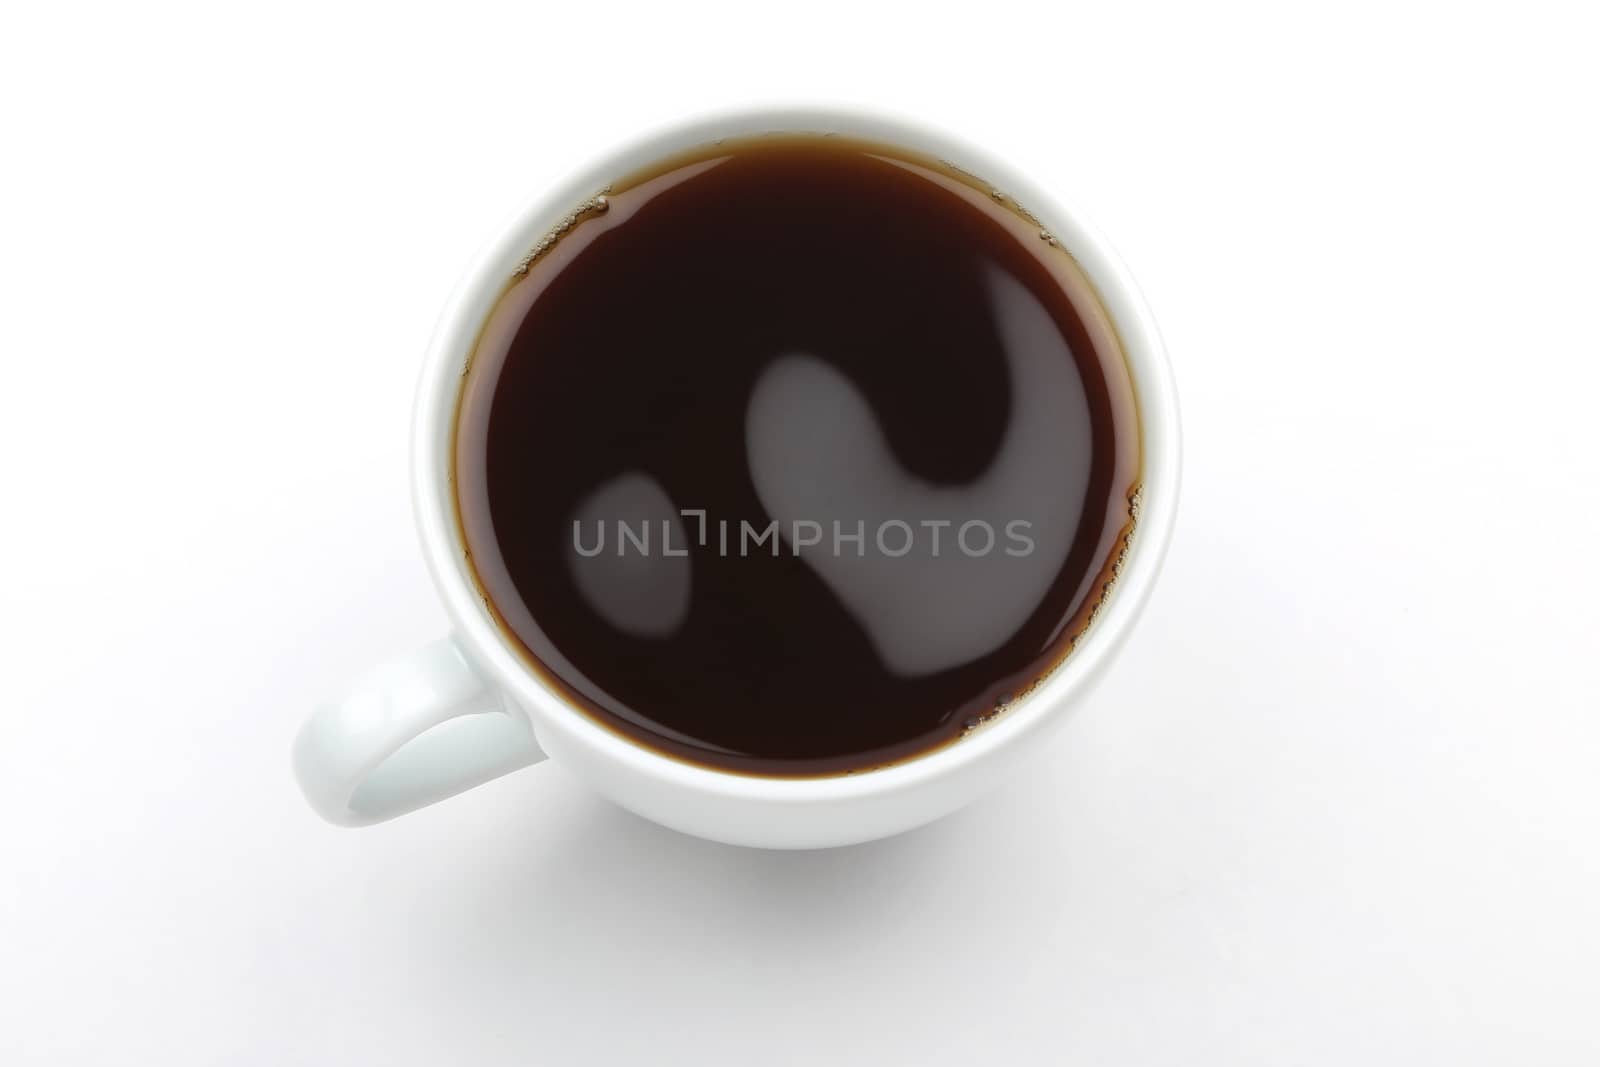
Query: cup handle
{"x": 411, "y": 732}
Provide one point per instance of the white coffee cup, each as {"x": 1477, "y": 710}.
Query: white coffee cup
{"x": 466, "y": 709}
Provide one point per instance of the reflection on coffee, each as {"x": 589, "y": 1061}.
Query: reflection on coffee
{"x": 796, "y": 455}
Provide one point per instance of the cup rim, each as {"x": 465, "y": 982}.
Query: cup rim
{"x": 456, "y": 335}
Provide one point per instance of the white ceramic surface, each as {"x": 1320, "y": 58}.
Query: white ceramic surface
{"x": 465, "y": 709}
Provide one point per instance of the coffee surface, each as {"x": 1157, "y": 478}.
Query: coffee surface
{"x": 796, "y": 455}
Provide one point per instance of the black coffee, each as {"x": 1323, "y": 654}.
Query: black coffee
{"x": 796, "y": 455}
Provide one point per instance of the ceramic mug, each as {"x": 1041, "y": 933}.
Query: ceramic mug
{"x": 467, "y": 709}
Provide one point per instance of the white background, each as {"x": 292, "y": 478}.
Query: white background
{"x": 1337, "y": 803}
